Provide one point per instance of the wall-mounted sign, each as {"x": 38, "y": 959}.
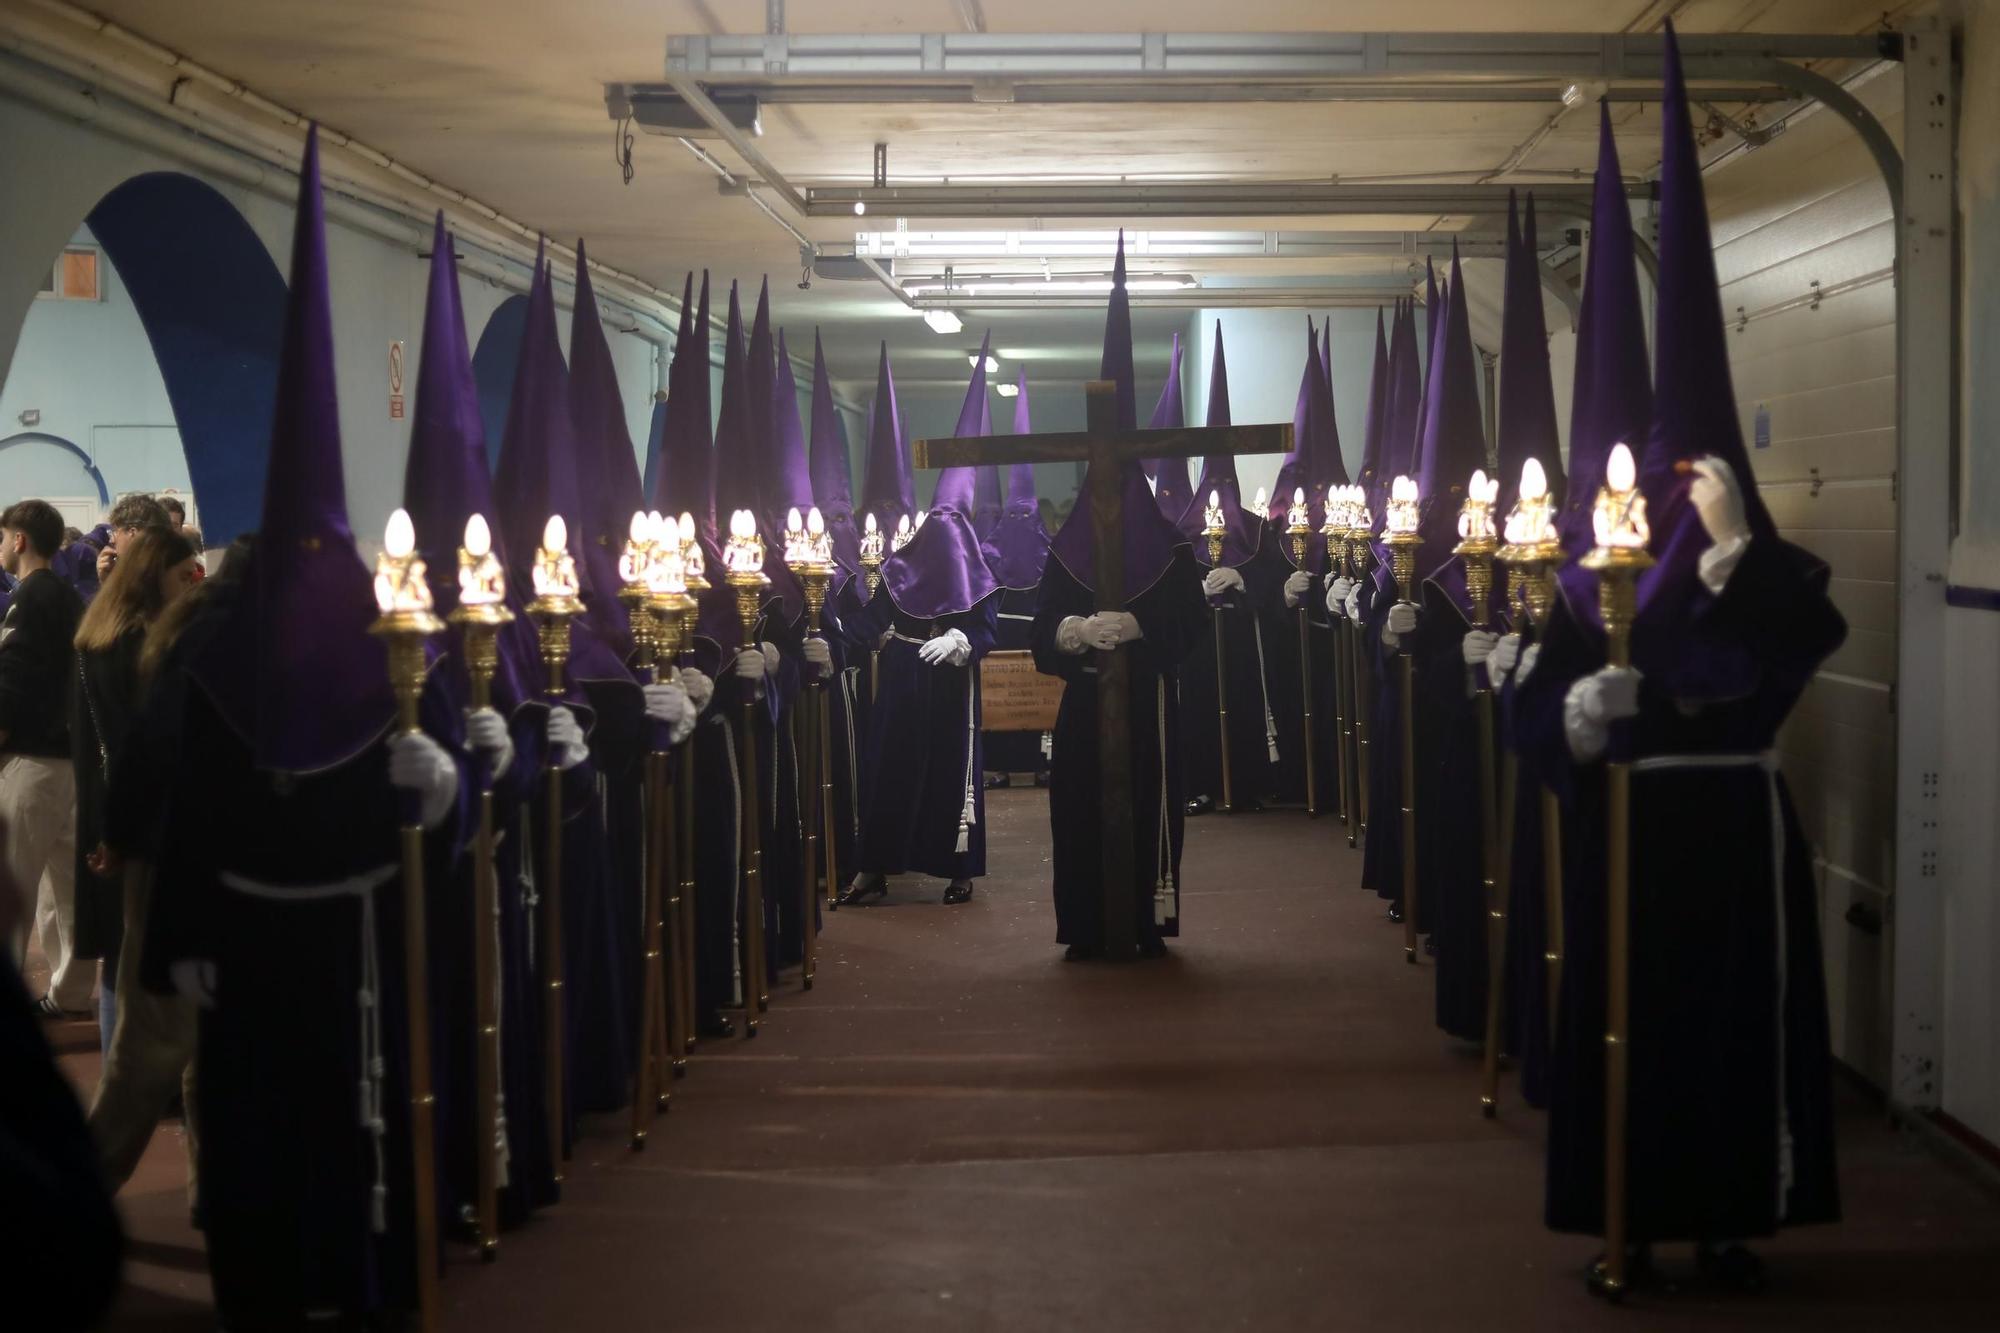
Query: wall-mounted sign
{"x": 396, "y": 380}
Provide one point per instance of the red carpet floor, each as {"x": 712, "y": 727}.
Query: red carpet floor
{"x": 957, "y": 1130}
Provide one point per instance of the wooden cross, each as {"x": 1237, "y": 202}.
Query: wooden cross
{"x": 1105, "y": 447}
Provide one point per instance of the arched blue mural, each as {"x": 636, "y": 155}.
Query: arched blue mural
{"x": 493, "y": 363}
{"x": 213, "y": 306}
{"x": 70, "y": 446}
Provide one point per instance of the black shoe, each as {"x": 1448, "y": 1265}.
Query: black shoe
{"x": 717, "y": 1026}
{"x": 864, "y": 888}
{"x": 1396, "y": 913}
{"x": 1731, "y": 1267}
{"x": 1638, "y": 1273}
{"x": 1200, "y": 805}
{"x": 1077, "y": 953}
{"x": 1152, "y": 948}
{"x": 958, "y": 891}
{"x": 996, "y": 781}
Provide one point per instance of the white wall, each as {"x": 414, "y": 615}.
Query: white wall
{"x": 378, "y": 297}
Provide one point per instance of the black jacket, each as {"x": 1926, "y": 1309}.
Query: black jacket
{"x": 36, "y": 660}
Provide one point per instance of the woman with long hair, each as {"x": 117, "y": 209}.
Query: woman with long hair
{"x": 155, "y": 568}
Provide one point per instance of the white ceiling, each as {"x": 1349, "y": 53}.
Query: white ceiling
{"x": 504, "y": 99}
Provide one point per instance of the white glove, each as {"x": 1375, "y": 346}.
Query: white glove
{"x": 667, "y": 702}
{"x": 194, "y": 978}
{"x": 1477, "y": 646}
{"x": 1220, "y": 580}
{"x": 566, "y": 744}
{"x": 772, "y": 657}
{"x": 749, "y": 665}
{"x": 1336, "y": 595}
{"x": 1354, "y": 604}
{"x": 950, "y": 648}
{"x": 486, "y": 734}
{"x": 1505, "y": 654}
{"x": 1100, "y": 634}
{"x": 419, "y": 764}
{"x": 1528, "y": 656}
{"x": 700, "y": 689}
{"x": 1402, "y": 620}
{"x": 1593, "y": 704}
{"x": 1071, "y": 637}
{"x": 820, "y": 653}
{"x": 1296, "y": 587}
{"x": 1718, "y": 498}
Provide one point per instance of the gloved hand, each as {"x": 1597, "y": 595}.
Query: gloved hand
{"x": 772, "y": 657}
{"x": 1718, "y": 498}
{"x": 1505, "y": 654}
{"x": 1222, "y": 580}
{"x": 667, "y": 703}
{"x": 700, "y": 689}
{"x": 194, "y": 978}
{"x": 566, "y": 743}
{"x": 1336, "y": 595}
{"x": 1593, "y": 704}
{"x": 1354, "y": 604}
{"x": 1071, "y": 637}
{"x": 819, "y": 653}
{"x": 1123, "y": 625}
{"x": 1477, "y": 646}
{"x": 950, "y": 648}
{"x": 1528, "y": 656}
{"x": 419, "y": 764}
{"x": 486, "y": 734}
{"x": 1100, "y": 635}
{"x": 748, "y": 665}
{"x": 1296, "y": 587}
{"x": 1402, "y": 620}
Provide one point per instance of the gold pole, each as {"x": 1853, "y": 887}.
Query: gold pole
{"x": 1298, "y": 532}
{"x": 479, "y": 625}
{"x": 678, "y": 620}
{"x": 1477, "y": 546}
{"x": 1342, "y": 789}
{"x": 1402, "y": 540}
{"x": 405, "y": 623}
{"x": 647, "y": 1090}
{"x": 1617, "y": 559}
{"x": 829, "y": 806}
{"x": 814, "y": 576}
{"x": 1215, "y": 534}
{"x": 555, "y": 604}
{"x": 1364, "y": 675}
{"x": 747, "y": 579}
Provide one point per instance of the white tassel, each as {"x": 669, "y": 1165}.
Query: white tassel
{"x": 964, "y": 837}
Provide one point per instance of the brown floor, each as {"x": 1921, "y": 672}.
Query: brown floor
{"x": 956, "y": 1129}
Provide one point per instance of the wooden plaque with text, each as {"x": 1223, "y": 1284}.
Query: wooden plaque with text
{"x": 1014, "y": 696}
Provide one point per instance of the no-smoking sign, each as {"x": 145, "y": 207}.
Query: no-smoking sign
{"x": 396, "y": 380}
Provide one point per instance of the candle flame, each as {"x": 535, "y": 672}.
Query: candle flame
{"x": 1619, "y": 472}
{"x": 639, "y": 529}
{"x": 478, "y": 537}
{"x": 686, "y": 526}
{"x": 555, "y": 534}
{"x": 1261, "y": 502}
{"x": 868, "y": 522}
{"x": 401, "y": 537}
{"x": 815, "y": 521}
{"x": 1534, "y": 481}
{"x": 1215, "y": 499}
{"x": 793, "y": 519}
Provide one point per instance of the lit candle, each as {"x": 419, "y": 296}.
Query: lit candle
{"x": 554, "y": 570}
{"x": 481, "y": 581}
{"x": 1619, "y": 516}
{"x": 1403, "y": 514}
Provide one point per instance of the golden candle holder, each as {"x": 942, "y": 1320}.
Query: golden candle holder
{"x": 743, "y": 571}
{"x": 675, "y": 574}
{"x": 1619, "y": 521}
{"x": 1478, "y": 540}
{"x": 406, "y": 624}
{"x": 1298, "y": 527}
{"x": 871, "y": 573}
{"x": 811, "y": 558}
{"x": 1399, "y": 535}
{"x": 482, "y": 610}
{"x": 556, "y": 604}
{"x": 1216, "y": 528}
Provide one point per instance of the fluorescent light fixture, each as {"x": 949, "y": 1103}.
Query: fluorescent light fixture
{"x": 992, "y": 362}
{"x": 943, "y": 321}
{"x": 1081, "y": 284}
{"x": 1008, "y": 388}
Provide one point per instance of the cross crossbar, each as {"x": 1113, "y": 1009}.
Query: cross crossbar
{"x": 1081, "y": 445}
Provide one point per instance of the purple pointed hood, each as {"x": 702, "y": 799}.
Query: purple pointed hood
{"x": 1454, "y": 441}
{"x": 664, "y": 405}
{"x": 1694, "y": 415}
{"x": 886, "y": 489}
{"x": 1018, "y": 546}
{"x": 607, "y": 471}
{"x": 294, "y": 671}
{"x": 792, "y": 478}
{"x": 832, "y": 488}
{"x": 1434, "y": 317}
{"x": 738, "y": 449}
{"x": 1149, "y": 538}
{"x": 941, "y": 570}
{"x": 1170, "y": 488}
{"x": 687, "y": 453}
{"x": 445, "y": 480}
{"x": 1378, "y": 409}
{"x": 1527, "y": 406}
{"x": 987, "y": 501}
{"x": 1242, "y": 529}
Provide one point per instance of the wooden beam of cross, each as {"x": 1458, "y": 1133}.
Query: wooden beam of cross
{"x": 1104, "y": 447}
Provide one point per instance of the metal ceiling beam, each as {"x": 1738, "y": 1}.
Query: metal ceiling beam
{"x": 812, "y": 92}
{"x": 1125, "y": 200}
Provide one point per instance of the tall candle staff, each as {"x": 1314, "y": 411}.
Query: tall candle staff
{"x": 649, "y": 1091}
{"x": 813, "y": 561}
{"x": 1360, "y": 530}
{"x": 556, "y": 604}
{"x": 1477, "y": 542}
{"x": 1619, "y": 519}
{"x": 1334, "y": 531}
{"x": 1214, "y": 531}
{"x": 404, "y": 599}
{"x": 871, "y": 574}
{"x": 678, "y": 618}
{"x": 1298, "y": 527}
{"x": 482, "y": 610}
{"x": 743, "y": 571}
{"x": 1399, "y": 534}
